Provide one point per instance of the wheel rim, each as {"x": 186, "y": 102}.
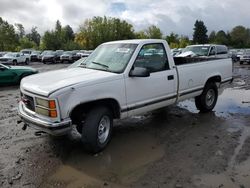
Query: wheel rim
{"x": 103, "y": 129}
{"x": 210, "y": 97}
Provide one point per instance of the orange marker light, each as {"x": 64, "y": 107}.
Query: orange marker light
{"x": 53, "y": 113}
{"x": 52, "y": 104}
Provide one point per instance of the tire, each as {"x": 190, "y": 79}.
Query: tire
{"x": 241, "y": 62}
{"x": 207, "y": 100}
{"x": 26, "y": 61}
{"x": 98, "y": 120}
{"x": 14, "y": 62}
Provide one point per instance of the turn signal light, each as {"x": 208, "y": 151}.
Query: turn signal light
{"x": 52, "y": 104}
{"x": 53, "y": 113}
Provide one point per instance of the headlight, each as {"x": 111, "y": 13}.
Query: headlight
{"x": 46, "y": 107}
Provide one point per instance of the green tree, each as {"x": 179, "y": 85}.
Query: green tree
{"x": 34, "y": 36}
{"x": 8, "y": 37}
{"x": 240, "y": 37}
{"x": 141, "y": 35}
{"x": 153, "y": 32}
{"x": 20, "y": 30}
{"x": 221, "y": 38}
{"x": 68, "y": 33}
{"x": 200, "y": 33}
{"x": 184, "y": 41}
{"x": 212, "y": 37}
{"x": 26, "y": 43}
{"x": 102, "y": 29}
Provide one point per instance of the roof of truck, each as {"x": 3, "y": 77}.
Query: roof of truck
{"x": 136, "y": 41}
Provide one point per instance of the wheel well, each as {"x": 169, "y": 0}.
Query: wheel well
{"x": 214, "y": 79}
{"x": 112, "y": 104}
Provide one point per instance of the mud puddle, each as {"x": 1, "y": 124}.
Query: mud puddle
{"x": 123, "y": 162}
{"x": 232, "y": 101}
{"x": 237, "y": 174}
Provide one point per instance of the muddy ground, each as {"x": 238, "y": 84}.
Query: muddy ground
{"x": 176, "y": 147}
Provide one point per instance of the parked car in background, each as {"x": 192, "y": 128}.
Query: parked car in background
{"x": 79, "y": 62}
{"x": 14, "y": 58}
{"x": 76, "y": 56}
{"x": 27, "y": 53}
{"x": 233, "y": 54}
{"x": 14, "y": 74}
{"x": 85, "y": 53}
{"x": 205, "y": 50}
{"x": 51, "y": 57}
{"x": 34, "y": 56}
{"x": 42, "y": 54}
{"x": 245, "y": 57}
{"x": 176, "y": 51}
{"x": 66, "y": 57}
{"x": 3, "y": 53}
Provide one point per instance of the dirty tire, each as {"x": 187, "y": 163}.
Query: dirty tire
{"x": 26, "y": 62}
{"x": 97, "y": 129}
{"x": 207, "y": 100}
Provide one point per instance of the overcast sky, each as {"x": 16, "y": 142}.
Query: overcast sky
{"x": 169, "y": 15}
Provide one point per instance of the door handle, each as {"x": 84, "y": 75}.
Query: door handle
{"x": 170, "y": 77}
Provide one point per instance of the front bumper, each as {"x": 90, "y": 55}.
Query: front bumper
{"x": 56, "y": 129}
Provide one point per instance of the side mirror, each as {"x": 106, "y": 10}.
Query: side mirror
{"x": 139, "y": 72}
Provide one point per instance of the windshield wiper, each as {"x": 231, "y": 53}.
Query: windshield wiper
{"x": 105, "y": 66}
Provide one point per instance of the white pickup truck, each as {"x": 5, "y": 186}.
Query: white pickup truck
{"x": 119, "y": 79}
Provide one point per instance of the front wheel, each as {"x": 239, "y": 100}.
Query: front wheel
{"x": 97, "y": 128}
{"x": 207, "y": 100}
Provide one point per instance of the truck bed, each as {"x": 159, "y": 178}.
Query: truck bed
{"x": 189, "y": 60}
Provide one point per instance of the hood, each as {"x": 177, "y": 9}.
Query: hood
{"x": 22, "y": 68}
{"x": 5, "y": 58}
{"x": 49, "y": 56}
{"x": 49, "y": 82}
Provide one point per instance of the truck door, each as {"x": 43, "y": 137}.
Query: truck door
{"x": 157, "y": 90}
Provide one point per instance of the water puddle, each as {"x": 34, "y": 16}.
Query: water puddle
{"x": 123, "y": 162}
{"x": 231, "y": 101}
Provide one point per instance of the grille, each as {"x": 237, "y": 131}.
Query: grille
{"x": 29, "y": 102}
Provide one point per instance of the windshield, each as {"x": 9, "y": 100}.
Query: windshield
{"x": 67, "y": 53}
{"x": 198, "y": 50}
{"x": 45, "y": 52}
{"x": 26, "y": 52}
{"x": 50, "y": 53}
{"x": 111, "y": 57}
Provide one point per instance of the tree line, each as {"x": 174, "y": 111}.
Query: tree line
{"x": 97, "y": 30}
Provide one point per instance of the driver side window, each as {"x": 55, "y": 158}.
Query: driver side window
{"x": 152, "y": 57}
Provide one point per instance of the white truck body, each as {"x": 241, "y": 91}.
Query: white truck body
{"x": 13, "y": 58}
{"x": 75, "y": 87}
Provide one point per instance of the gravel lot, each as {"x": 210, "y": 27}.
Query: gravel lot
{"x": 175, "y": 147}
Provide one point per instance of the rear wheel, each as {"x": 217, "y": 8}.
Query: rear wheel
{"x": 207, "y": 100}
{"x": 97, "y": 128}
{"x": 26, "y": 61}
